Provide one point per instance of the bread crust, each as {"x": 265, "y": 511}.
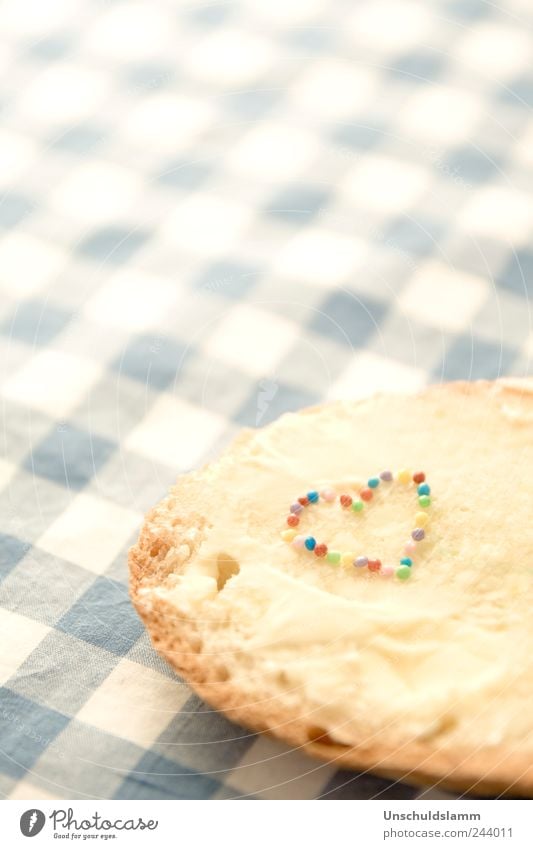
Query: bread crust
{"x": 498, "y": 772}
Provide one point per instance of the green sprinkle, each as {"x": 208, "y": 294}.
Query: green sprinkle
{"x": 403, "y": 573}
{"x": 357, "y": 506}
{"x": 333, "y": 556}
{"x": 424, "y": 500}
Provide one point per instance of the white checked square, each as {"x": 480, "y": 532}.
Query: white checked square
{"x": 133, "y": 32}
{"x": 27, "y": 265}
{"x": 499, "y": 212}
{"x": 175, "y": 433}
{"x": 495, "y": 51}
{"x": 206, "y": 224}
{"x": 63, "y": 94}
{"x": 389, "y": 25}
{"x": 166, "y": 123}
{"x": 319, "y": 256}
{"x": 368, "y": 373}
{"x": 384, "y": 184}
{"x": 17, "y": 152}
{"x": 20, "y": 636}
{"x": 227, "y": 57}
{"x": 443, "y": 297}
{"x": 271, "y": 770}
{"x": 439, "y": 115}
{"x": 52, "y": 381}
{"x": 33, "y": 19}
{"x": 28, "y": 791}
{"x": 332, "y": 88}
{"x": 132, "y": 300}
{"x": 134, "y": 703}
{"x": 251, "y": 340}
{"x": 96, "y": 192}
{"x": 273, "y": 152}
{"x": 282, "y": 14}
{"x": 90, "y": 532}
{"x": 7, "y": 471}
{"x": 523, "y": 150}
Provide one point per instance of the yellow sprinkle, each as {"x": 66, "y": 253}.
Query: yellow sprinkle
{"x": 347, "y": 558}
{"x": 289, "y": 534}
{"x": 421, "y": 520}
{"x": 404, "y": 476}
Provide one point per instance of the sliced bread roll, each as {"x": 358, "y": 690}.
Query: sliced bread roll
{"x": 384, "y": 620}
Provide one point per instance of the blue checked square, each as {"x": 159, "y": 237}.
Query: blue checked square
{"x": 104, "y": 616}
{"x": 156, "y": 777}
{"x": 144, "y": 653}
{"x": 11, "y": 551}
{"x": 408, "y": 341}
{"x": 210, "y": 15}
{"x": 349, "y": 319}
{"x": 517, "y": 274}
{"x": 518, "y": 91}
{"x": 418, "y": 66}
{"x": 30, "y": 504}
{"x": 150, "y": 76}
{"x": 417, "y": 237}
{"x": 471, "y": 165}
{"x": 97, "y": 761}
{"x": 154, "y": 364}
{"x": 14, "y": 208}
{"x": 311, "y": 39}
{"x": 113, "y": 245}
{"x": 469, "y": 10}
{"x": 42, "y": 675}
{"x": 35, "y": 322}
{"x": 42, "y": 586}
{"x": 252, "y": 104}
{"x": 69, "y": 456}
{"x": 26, "y": 730}
{"x": 79, "y": 140}
{"x": 50, "y": 48}
{"x": 184, "y": 174}
{"x": 470, "y": 358}
{"x": 212, "y": 384}
{"x": 202, "y": 738}
{"x": 358, "y": 136}
{"x": 298, "y": 204}
{"x": 230, "y": 278}
{"x": 350, "y": 785}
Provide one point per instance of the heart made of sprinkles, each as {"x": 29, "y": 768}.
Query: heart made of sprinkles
{"x": 309, "y": 545}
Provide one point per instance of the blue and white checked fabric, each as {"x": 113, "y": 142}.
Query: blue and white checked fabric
{"x": 211, "y": 213}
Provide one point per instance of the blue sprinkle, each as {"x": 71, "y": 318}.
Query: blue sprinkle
{"x": 406, "y": 561}
{"x": 373, "y": 482}
{"x": 310, "y": 543}
{"x": 424, "y": 489}
{"x": 312, "y": 496}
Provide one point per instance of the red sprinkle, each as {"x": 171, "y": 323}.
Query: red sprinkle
{"x": 292, "y": 520}
{"x": 374, "y": 565}
{"x": 366, "y": 494}
{"x": 304, "y": 501}
{"x": 321, "y": 550}
{"x": 346, "y": 500}
{"x": 419, "y": 477}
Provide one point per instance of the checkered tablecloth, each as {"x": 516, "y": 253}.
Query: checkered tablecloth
{"x": 211, "y": 213}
